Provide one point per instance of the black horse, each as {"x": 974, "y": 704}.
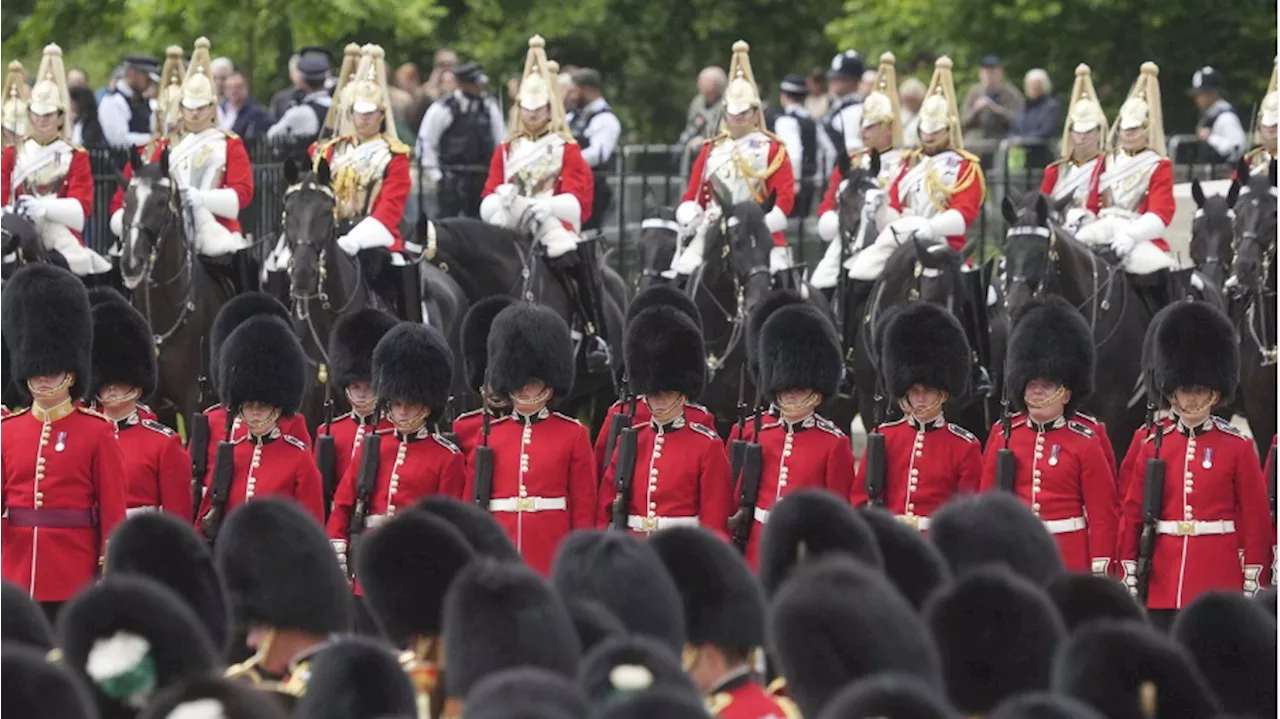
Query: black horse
{"x": 325, "y": 282}
{"x": 1041, "y": 257}
{"x": 659, "y": 240}
{"x": 20, "y": 245}
{"x": 170, "y": 285}
{"x": 1212, "y": 252}
{"x": 1252, "y": 292}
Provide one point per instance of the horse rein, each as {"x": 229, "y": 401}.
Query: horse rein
{"x": 736, "y": 318}
{"x": 187, "y": 268}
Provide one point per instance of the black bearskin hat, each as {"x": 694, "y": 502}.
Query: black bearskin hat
{"x": 262, "y": 361}
{"x": 924, "y": 344}
{"x": 914, "y": 565}
{"x": 770, "y": 303}
{"x": 501, "y": 615}
{"x": 723, "y": 603}
{"x": 414, "y": 363}
{"x": 475, "y": 337}
{"x": 664, "y": 296}
{"x": 124, "y": 350}
{"x": 1195, "y": 346}
{"x": 33, "y": 686}
{"x": 295, "y": 584}
{"x": 356, "y": 677}
{"x": 799, "y": 349}
{"x": 1105, "y": 664}
{"x": 889, "y": 695}
{"x": 1267, "y": 600}
{"x": 1051, "y": 340}
{"x": 351, "y": 344}
{"x": 665, "y": 703}
{"x": 405, "y": 569}
{"x": 664, "y": 353}
{"x": 593, "y": 622}
{"x": 128, "y": 637}
{"x": 836, "y": 621}
{"x": 626, "y": 575}
{"x": 21, "y": 619}
{"x": 162, "y": 547}
{"x": 993, "y": 624}
{"x": 659, "y": 668}
{"x": 234, "y": 313}
{"x": 48, "y": 326}
{"x": 1043, "y": 705}
{"x": 808, "y": 524}
{"x": 526, "y": 693}
{"x": 1083, "y": 598}
{"x": 486, "y": 537}
{"x": 995, "y": 528}
{"x": 1233, "y": 642}
{"x": 229, "y": 698}
{"x": 528, "y": 342}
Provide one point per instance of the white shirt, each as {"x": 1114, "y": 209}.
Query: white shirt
{"x": 114, "y": 115}
{"x": 440, "y": 118}
{"x": 1226, "y": 136}
{"x": 300, "y": 120}
{"x": 227, "y": 115}
{"x": 788, "y": 128}
{"x": 602, "y": 133}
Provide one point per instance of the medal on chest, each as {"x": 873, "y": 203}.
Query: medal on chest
{"x": 1053, "y": 455}
{"x": 1208, "y": 458}
{"x": 61, "y": 442}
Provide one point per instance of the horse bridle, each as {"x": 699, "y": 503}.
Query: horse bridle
{"x": 1255, "y": 312}
{"x": 736, "y": 318}
{"x": 187, "y": 269}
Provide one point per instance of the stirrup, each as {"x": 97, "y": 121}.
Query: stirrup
{"x": 982, "y": 384}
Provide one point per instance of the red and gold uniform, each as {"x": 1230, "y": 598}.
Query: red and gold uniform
{"x": 1077, "y": 180}
{"x": 754, "y": 167}
{"x": 157, "y": 466}
{"x": 275, "y": 465}
{"x": 681, "y": 479}
{"x": 914, "y": 191}
{"x": 889, "y": 170}
{"x": 1104, "y": 441}
{"x": 926, "y": 464}
{"x": 63, "y": 494}
{"x": 1215, "y": 529}
{"x": 544, "y": 485}
{"x": 692, "y": 411}
{"x": 55, "y": 170}
{"x": 348, "y": 433}
{"x": 1062, "y": 474}
{"x": 809, "y": 453}
{"x": 544, "y": 167}
{"x": 295, "y": 426}
{"x": 371, "y": 183}
{"x": 1074, "y": 177}
{"x": 1129, "y": 467}
{"x": 738, "y": 697}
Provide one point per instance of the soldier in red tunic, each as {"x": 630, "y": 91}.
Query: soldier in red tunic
{"x": 1073, "y": 180}
{"x": 263, "y": 376}
{"x": 1214, "y": 532}
{"x": 724, "y": 611}
{"x": 469, "y": 426}
{"x": 63, "y": 477}
{"x": 351, "y": 345}
{"x": 1061, "y": 470}
{"x": 800, "y": 366}
{"x": 924, "y": 359}
{"x": 681, "y": 473}
{"x": 412, "y": 371}
{"x": 543, "y": 485}
{"x": 157, "y": 468}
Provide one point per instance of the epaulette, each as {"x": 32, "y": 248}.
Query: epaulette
{"x": 968, "y": 156}
{"x": 469, "y": 413}
{"x": 699, "y": 407}
{"x": 230, "y": 135}
{"x": 566, "y": 417}
{"x": 92, "y": 413}
{"x": 1254, "y": 152}
{"x": 294, "y": 441}
{"x": 895, "y": 422}
{"x": 1087, "y": 417}
{"x": 322, "y": 149}
{"x": 1163, "y": 430}
{"x": 394, "y": 144}
{"x": 1227, "y": 427}
{"x": 961, "y": 432}
{"x": 1080, "y": 428}
{"x": 1015, "y": 422}
{"x": 15, "y": 413}
{"x": 339, "y": 418}
{"x": 788, "y": 707}
{"x": 440, "y": 439}
{"x": 718, "y": 702}
{"x": 770, "y": 423}
{"x": 828, "y": 426}
{"x": 155, "y": 426}
{"x": 703, "y": 430}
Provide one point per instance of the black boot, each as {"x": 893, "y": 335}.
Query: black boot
{"x": 1153, "y": 288}
{"x": 410, "y": 293}
{"x": 577, "y": 273}
{"x": 857, "y": 292}
{"x": 791, "y": 278}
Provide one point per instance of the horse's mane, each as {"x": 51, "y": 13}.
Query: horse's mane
{"x": 902, "y": 263}
{"x": 748, "y": 212}
{"x": 151, "y": 171}
{"x": 1215, "y": 213}
{"x": 660, "y": 212}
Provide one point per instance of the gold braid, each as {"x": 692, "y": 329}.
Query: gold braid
{"x": 757, "y": 193}
{"x": 940, "y": 194}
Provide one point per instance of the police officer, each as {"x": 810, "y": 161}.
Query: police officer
{"x": 1219, "y": 127}
{"x": 844, "y": 117}
{"x": 125, "y": 113}
{"x": 306, "y": 117}
{"x": 597, "y": 130}
{"x": 456, "y": 139}
{"x": 799, "y": 132}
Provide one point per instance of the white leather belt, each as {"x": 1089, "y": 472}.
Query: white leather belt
{"x": 920, "y": 524}
{"x": 375, "y": 520}
{"x": 528, "y": 504}
{"x": 762, "y": 515}
{"x": 132, "y": 511}
{"x": 1065, "y": 526}
{"x": 653, "y": 524}
{"x": 1192, "y": 529}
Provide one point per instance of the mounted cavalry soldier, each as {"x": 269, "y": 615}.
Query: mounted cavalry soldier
{"x": 13, "y": 104}
{"x": 371, "y": 184}
{"x": 63, "y": 475}
{"x": 1212, "y": 529}
{"x": 1074, "y": 178}
{"x": 748, "y": 161}
{"x": 45, "y": 178}
{"x": 539, "y": 179}
{"x": 1260, "y": 157}
{"x": 1137, "y": 191}
{"x": 881, "y": 131}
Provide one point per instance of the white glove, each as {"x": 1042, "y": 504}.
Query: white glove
{"x": 539, "y": 210}
{"x": 688, "y": 215}
{"x": 1130, "y": 578}
{"x": 192, "y": 200}
{"x": 340, "y": 549}
{"x": 1252, "y": 573}
{"x": 1122, "y": 245}
{"x": 1100, "y": 566}
{"x": 32, "y": 207}
{"x": 507, "y": 192}
{"x": 904, "y": 227}
{"x": 349, "y": 245}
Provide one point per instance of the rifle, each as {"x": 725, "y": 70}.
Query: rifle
{"x": 743, "y": 521}
{"x": 623, "y": 477}
{"x": 875, "y": 457}
{"x": 325, "y": 451}
{"x": 445, "y": 428}
{"x": 1152, "y": 499}
{"x": 617, "y": 423}
{"x": 737, "y": 447}
{"x": 220, "y": 486}
{"x": 484, "y": 465}
{"x": 366, "y": 481}
{"x": 1006, "y": 463}
{"x": 198, "y": 441}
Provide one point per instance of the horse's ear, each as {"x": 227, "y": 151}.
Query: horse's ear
{"x": 922, "y": 255}
{"x": 290, "y": 172}
{"x": 1242, "y": 171}
{"x": 1042, "y": 211}
{"x": 135, "y": 159}
{"x": 322, "y": 172}
{"x": 874, "y": 165}
{"x": 1009, "y": 210}
{"x": 1061, "y": 205}
{"x": 1197, "y": 192}
{"x": 1233, "y": 194}
{"x": 845, "y": 163}
{"x": 164, "y": 163}
{"x": 769, "y": 202}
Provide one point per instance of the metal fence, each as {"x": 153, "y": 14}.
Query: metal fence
{"x": 641, "y": 177}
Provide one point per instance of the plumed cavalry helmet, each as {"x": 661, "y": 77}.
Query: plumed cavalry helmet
{"x": 1084, "y": 114}
{"x": 197, "y": 88}
{"x": 939, "y": 111}
{"x": 538, "y": 89}
{"x": 369, "y": 92}
{"x": 169, "y": 100}
{"x": 1142, "y": 109}
{"x": 339, "y": 110}
{"x": 882, "y": 104}
{"x": 50, "y": 92}
{"x": 1269, "y": 113}
{"x": 17, "y": 95}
